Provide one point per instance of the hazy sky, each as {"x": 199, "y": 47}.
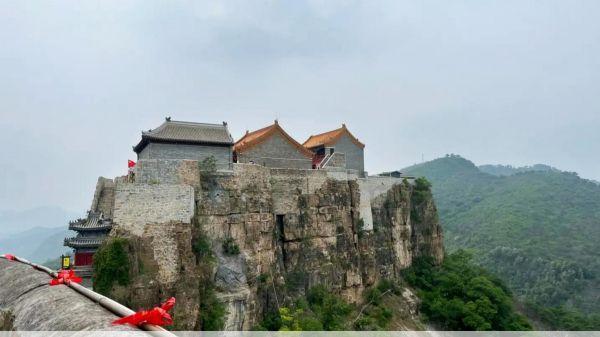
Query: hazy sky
{"x": 514, "y": 82}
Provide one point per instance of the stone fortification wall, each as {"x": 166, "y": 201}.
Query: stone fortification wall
{"x": 139, "y": 204}
{"x": 167, "y": 171}
{"x": 370, "y": 189}
{"x": 104, "y": 197}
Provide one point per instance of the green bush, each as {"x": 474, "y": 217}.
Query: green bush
{"x": 331, "y": 310}
{"x": 458, "y": 295}
{"x": 230, "y": 247}
{"x": 212, "y": 311}
{"x": 111, "y": 264}
{"x": 202, "y": 248}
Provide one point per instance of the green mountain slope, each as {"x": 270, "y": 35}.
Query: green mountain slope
{"x": 537, "y": 230}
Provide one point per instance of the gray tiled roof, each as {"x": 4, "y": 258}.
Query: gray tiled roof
{"x": 84, "y": 242}
{"x": 186, "y": 132}
{"x": 94, "y": 221}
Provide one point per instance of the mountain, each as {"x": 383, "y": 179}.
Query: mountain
{"x": 538, "y": 230}
{"x": 36, "y": 244}
{"x": 13, "y": 222}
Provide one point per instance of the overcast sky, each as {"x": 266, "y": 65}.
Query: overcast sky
{"x": 512, "y": 82}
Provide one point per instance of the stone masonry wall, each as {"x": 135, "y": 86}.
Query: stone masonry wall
{"x": 370, "y": 189}
{"x": 355, "y": 158}
{"x": 276, "y": 152}
{"x": 139, "y": 204}
{"x": 167, "y": 171}
{"x": 222, "y": 154}
{"x": 104, "y": 197}
{"x": 338, "y": 160}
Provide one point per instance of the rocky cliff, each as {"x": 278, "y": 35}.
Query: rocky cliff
{"x": 257, "y": 238}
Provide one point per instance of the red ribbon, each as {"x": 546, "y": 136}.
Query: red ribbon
{"x": 9, "y": 257}
{"x": 156, "y": 316}
{"x": 65, "y": 277}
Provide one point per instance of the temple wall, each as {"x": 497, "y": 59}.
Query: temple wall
{"x": 355, "y": 158}
{"x": 276, "y": 152}
{"x": 222, "y": 154}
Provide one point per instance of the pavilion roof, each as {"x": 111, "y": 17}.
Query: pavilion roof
{"x": 329, "y": 138}
{"x": 251, "y": 139}
{"x": 84, "y": 242}
{"x": 187, "y": 133}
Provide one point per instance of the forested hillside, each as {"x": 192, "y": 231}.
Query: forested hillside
{"x": 537, "y": 230}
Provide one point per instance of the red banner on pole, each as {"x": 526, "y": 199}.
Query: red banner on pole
{"x": 130, "y": 163}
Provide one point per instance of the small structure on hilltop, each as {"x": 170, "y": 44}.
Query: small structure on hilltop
{"x": 338, "y": 145}
{"x": 187, "y": 140}
{"x": 271, "y": 146}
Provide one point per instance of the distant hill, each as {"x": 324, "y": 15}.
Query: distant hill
{"x": 36, "y": 244}
{"x": 538, "y": 229}
{"x": 12, "y": 222}
{"x": 508, "y": 170}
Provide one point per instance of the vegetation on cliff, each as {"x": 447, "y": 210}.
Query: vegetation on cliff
{"x": 538, "y": 230}
{"x": 322, "y": 310}
{"x": 212, "y": 310}
{"x": 111, "y": 265}
{"x": 458, "y": 295}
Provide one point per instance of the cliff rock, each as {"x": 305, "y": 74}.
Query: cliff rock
{"x": 262, "y": 237}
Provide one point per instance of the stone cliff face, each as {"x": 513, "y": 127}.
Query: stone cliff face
{"x": 294, "y": 230}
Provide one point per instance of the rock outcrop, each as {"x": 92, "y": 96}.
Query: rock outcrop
{"x": 29, "y": 303}
{"x": 294, "y": 229}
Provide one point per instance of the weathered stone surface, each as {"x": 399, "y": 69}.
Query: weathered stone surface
{"x": 28, "y": 302}
{"x": 139, "y": 204}
{"x": 295, "y": 229}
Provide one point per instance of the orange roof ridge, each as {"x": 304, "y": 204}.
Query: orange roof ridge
{"x": 331, "y": 137}
{"x": 254, "y": 138}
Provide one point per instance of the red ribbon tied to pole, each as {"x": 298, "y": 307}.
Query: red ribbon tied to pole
{"x": 156, "y": 316}
{"x": 9, "y": 257}
{"x": 65, "y": 277}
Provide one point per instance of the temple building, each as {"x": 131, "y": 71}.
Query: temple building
{"x": 271, "y": 146}
{"x": 187, "y": 140}
{"x": 337, "y": 146}
{"x": 91, "y": 233}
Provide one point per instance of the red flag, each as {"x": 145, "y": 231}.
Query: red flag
{"x": 65, "y": 277}
{"x": 9, "y": 257}
{"x": 156, "y": 316}
{"x": 130, "y": 163}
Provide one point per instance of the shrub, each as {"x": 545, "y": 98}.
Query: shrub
{"x": 230, "y": 247}
{"x": 111, "y": 264}
{"x": 458, "y": 295}
{"x": 212, "y": 310}
{"x": 202, "y": 248}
